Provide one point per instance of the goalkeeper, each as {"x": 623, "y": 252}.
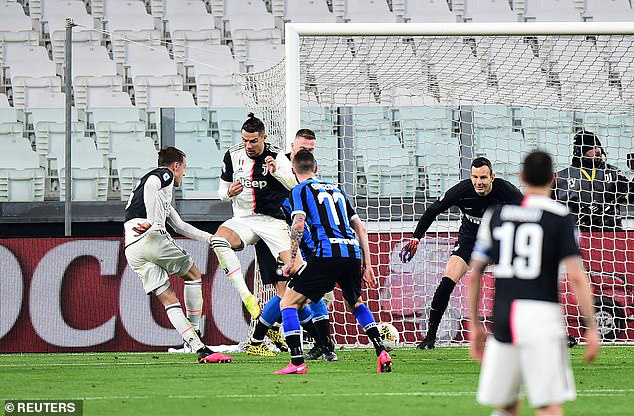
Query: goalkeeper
{"x": 473, "y": 197}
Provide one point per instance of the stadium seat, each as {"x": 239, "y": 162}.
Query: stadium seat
{"x": 139, "y": 157}
{"x": 31, "y": 72}
{"x": 261, "y": 56}
{"x": 47, "y": 100}
{"x": 114, "y": 126}
{"x": 364, "y": 11}
{"x": 552, "y": 11}
{"x": 327, "y": 156}
{"x": 549, "y": 129}
{"x": 303, "y": 11}
{"x": 130, "y": 21}
{"x": 229, "y": 122}
{"x": 204, "y": 160}
{"x": 4, "y": 101}
{"x": 489, "y": 11}
{"x": 576, "y": 60}
{"x": 609, "y": 10}
{"x": 21, "y": 177}
{"x": 54, "y": 19}
{"x": 213, "y": 67}
{"x": 111, "y": 100}
{"x": 89, "y": 176}
{"x": 94, "y": 73}
{"x": 160, "y": 99}
{"x": 152, "y": 71}
{"x": 396, "y": 179}
{"x": 15, "y": 29}
{"x": 428, "y": 11}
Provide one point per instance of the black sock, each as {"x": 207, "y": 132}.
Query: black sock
{"x": 309, "y": 326}
{"x": 323, "y": 333}
{"x": 295, "y": 346}
{"x": 259, "y": 332}
{"x": 375, "y": 336}
{"x": 439, "y": 305}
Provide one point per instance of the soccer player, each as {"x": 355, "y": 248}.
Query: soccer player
{"x": 317, "y": 323}
{"x": 526, "y": 244}
{"x": 154, "y": 255}
{"x": 472, "y": 196}
{"x": 256, "y": 194}
{"x": 339, "y": 259}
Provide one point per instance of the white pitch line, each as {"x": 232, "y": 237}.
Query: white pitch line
{"x": 94, "y": 364}
{"x": 581, "y": 393}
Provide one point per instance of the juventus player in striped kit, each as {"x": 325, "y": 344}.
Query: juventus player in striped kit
{"x": 154, "y": 255}
{"x": 526, "y": 244}
{"x": 256, "y": 194}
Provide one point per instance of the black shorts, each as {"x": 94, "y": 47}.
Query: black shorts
{"x": 464, "y": 247}
{"x": 268, "y": 265}
{"x": 322, "y": 274}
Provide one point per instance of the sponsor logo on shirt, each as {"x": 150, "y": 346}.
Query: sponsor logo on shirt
{"x": 323, "y": 186}
{"x": 248, "y": 183}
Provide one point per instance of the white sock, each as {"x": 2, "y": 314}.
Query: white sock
{"x": 231, "y": 265}
{"x": 501, "y": 412}
{"x": 183, "y": 326}
{"x": 193, "y": 295}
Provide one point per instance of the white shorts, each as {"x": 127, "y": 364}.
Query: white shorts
{"x": 274, "y": 232}
{"x": 538, "y": 359}
{"x": 155, "y": 257}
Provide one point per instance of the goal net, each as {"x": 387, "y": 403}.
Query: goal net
{"x": 400, "y": 113}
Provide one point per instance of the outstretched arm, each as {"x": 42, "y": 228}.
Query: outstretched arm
{"x": 186, "y": 229}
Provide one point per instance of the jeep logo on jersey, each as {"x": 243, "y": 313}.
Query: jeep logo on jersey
{"x": 247, "y": 183}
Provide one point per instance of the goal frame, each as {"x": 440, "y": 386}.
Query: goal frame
{"x": 293, "y": 31}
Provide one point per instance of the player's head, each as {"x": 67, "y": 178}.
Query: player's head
{"x": 587, "y": 147}
{"x": 537, "y": 171}
{"x": 304, "y": 139}
{"x": 253, "y": 136}
{"x": 482, "y": 175}
{"x": 175, "y": 160}
{"x": 304, "y": 164}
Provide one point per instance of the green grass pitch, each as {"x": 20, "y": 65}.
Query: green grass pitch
{"x": 438, "y": 382}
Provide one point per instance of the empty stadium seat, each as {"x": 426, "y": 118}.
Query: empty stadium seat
{"x": 609, "y": 10}
{"x": 213, "y": 67}
{"x": 54, "y": 18}
{"x": 303, "y": 11}
{"x": 31, "y": 72}
{"x": 15, "y": 28}
{"x": 94, "y": 73}
{"x": 152, "y": 71}
{"x": 551, "y": 130}
{"x": 489, "y": 11}
{"x": 89, "y": 176}
{"x": 327, "y": 156}
{"x": 111, "y": 100}
{"x": 160, "y": 99}
{"x": 129, "y": 20}
{"x": 21, "y": 177}
{"x": 428, "y": 11}
{"x": 4, "y": 101}
{"x": 139, "y": 157}
{"x": 47, "y": 100}
{"x": 229, "y": 122}
{"x": 364, "y": 11}
{"x": 261, "y": 56}
{"x": 114, "y": 126}
{"x": 552, "y": 11}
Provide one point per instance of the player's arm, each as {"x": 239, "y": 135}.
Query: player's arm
{"x": 480, "y": 258}
{"x": 366, "y": 262}
{"x": 228, "y": 188}
{"x": 280, "y": 168}
{"x": 186, "y": 229}
{"x": 426, "y": 220}
{"x": 150, "y": 192}
{"x": 513, "y": 195}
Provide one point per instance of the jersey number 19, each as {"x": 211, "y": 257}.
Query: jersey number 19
{"x": 520, "y": 250}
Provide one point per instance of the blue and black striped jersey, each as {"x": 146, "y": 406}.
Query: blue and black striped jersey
{"x": 307, "y": 245}
{"x": 328, "y": 214}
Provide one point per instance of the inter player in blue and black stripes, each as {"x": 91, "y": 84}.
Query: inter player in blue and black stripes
{"x": 339, "y": 259}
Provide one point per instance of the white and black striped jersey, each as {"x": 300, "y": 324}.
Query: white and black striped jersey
{"x": 151, "y": 201}
{"x": 526, "y": 243}
{"x": 263, "y": 192}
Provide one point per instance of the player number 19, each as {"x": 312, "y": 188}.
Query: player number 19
{"x": 526, "y": 241}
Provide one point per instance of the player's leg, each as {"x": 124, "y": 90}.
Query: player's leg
{"x": 270, "y": 314}
{"x": 290, "y": 304}
{"x": 551, "y": 410}
{"x": 500, "y": 378}
{"x": 232, "y": 235}
{"x": 193, "y": 297}
{"x": 456, "y": 267}
{"x": 323, "y": 342}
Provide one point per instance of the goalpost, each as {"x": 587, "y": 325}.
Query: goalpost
{"x": 400, "y": 110}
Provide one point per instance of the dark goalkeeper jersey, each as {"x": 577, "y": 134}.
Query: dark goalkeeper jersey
{"x": 472, "y": 206}
{"x": 526, "y": 244}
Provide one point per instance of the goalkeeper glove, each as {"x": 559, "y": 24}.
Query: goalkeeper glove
{"x": 409, "y": 250}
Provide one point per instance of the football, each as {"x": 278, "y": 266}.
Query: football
{"x": 390, "y": 336}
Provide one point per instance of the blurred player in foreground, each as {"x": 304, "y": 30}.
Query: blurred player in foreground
{"x": 473, "y": 197}
{"x": 339, "y": 259}
{"x": 526, "y": 244}
{"x": 154, "y": 255}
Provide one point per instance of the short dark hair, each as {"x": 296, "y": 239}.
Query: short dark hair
{"x": 253, "y": 125}
{"x": 306, "y": 134}
{"x": 304, "y": 162}
{"x": 478, "y": 162}
{"x": 537, "y": 168}
{"x": 169, "y": 155}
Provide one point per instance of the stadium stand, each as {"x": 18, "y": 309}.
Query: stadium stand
{"x": 303, "y": 11}
{"x": 427, "y": 11}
